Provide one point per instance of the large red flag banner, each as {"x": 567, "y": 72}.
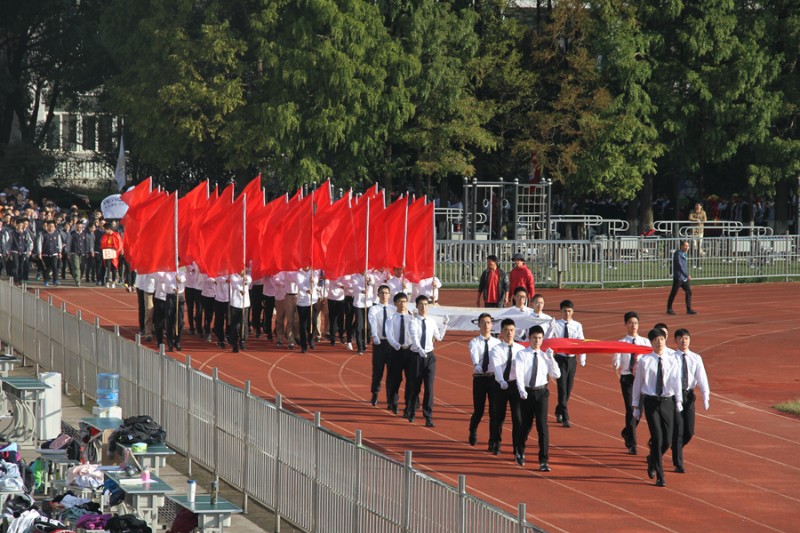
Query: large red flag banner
{"x": 419, "y": 263}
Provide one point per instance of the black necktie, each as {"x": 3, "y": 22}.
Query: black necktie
{"x": 633, "y": 358}
{"x": 507, "y": 371}
{"x": 383, "y": 333}
{"x": 659, "y": 379}
{"x": 485, "y": 363}
{"x": 566, "y": 330}
{"x": 424, "y": 334}
{"x": 684, "y": 373}
{"x": 402, "y": 330}
{"x": 535, "y": 370}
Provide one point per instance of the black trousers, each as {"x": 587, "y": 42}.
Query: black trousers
{"x": 535, "y": 408}
{"x": 173, "y": 312}
{"x": 220, "y": 319}
{"x": 235, "y": 326}
{"x": 395, "y": 366}
{"x": 91, "y": 268}
{"x": 257, "y": 308}
{"x": 684, "y": 427}
{"x": 361, "y": 328}
{"x": 660, "y": 414}
{"x": 140, "y": 302}
{"x": 349, "y": 317}
{"x": 203, "y": 321}
{"x": 380, "y": 361}
{"x": 192, "y": 306}
{"x": 687, "y": 289}
{"x": 425, "y": 375}
{"x": 304, "y": 320}
{"x": 268, "y": 303}
{"x": 335, "y": 319}
{"x": 482, "y": 390}
{"x": 503, "y": 400}
{"x": 567, "y": 365}
{"x": 159, "y": 318}
{"x": 629, "y": 431}
{"x": 52, "y": 265}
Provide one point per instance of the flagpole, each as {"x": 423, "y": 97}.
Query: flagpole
{"x": 177, "y": 260}
{"x": 366, "y": 269}
{"x": 311, "y": 274}
{"x": 244, "y": 260}
{"x": 405, "y": 244}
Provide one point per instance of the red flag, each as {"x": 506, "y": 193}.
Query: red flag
{"x": 578, "y": 346}
{"x": 216, "y": 228}
{"x": 190, "y": 208}
{"x": 255, "y": 195}
{"x": 259, "y": 223}
{"x": 138, "y": 193}
{"x": 419, "y": 241}
{"x": 132, "y": 222}
{"x": 386, "y": 230}
{"x": 330, "y": 232}
{"x": 154, "y": 250}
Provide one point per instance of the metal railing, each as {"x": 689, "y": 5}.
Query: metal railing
{"x": 624, "y": 260}
{"x": 306, "y": 474}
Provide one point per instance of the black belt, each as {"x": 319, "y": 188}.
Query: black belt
{"x": 291, "y": 294}
{"x": 658, "y": 398}
{"x": 540, "y": 387}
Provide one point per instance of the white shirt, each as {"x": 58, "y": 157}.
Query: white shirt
{"x": 375, "y": 317}
{"x": 269, "y": 286}
{"x": 146, "y": 282}
{"x": 696, "y": 372}
{"x": 476, "y": 349}
{"x": 334, "y": 289}
{"x": 172, "y": 282}
{"x": 393, "y": 333}
{"x": 222, "y": 289}
{"x": 288, "y": 281}
{"x": 556, "y": 330}
{"x": 307, "y": 290}
{"x": 520, "y": 334}
{"x": 397, "y": 285}
{"x": 240, "y": 291}
{"x": 622, "y": 361}
{"x": 432, "y": 331}
{"x": 193, "y": 277}
{"x": 208, "y": 286}
{"x": 545, "y": 366}
{"x": 362, "y": 296}
{"x": 280, "y": 288}
{"x": 645, "y": 380}
{"x": 428, "y": 286}
{"x": 500, "y": 359}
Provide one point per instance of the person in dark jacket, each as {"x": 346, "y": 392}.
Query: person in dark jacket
{"x": 493, "y": 285}
{"x": 681, "y": 279}
{"x": 76, "y": 252}
{"x": 49, "y": 247}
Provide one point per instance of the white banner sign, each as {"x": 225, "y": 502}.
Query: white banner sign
{"x": 113, "y": 207}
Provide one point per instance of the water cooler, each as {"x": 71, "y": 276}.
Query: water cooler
{"x": 50, "y": 405}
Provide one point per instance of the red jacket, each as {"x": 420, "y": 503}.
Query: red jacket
{"x": 114, "y": 241}
{"x": 521, "y": 277}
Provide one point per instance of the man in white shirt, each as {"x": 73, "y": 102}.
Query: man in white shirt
{"x": 268, "y": 302}
{"x": 222, "y": 297}
{"x": 533, "y": 368}
{"x": 480, "y": 349}
{"x": 174, "y": 286}
{"x": 208, "y": 290}
{"x": 625, "y": 365}
{"x": 145, "y": 288}
{"x": 568, "y": 328}
{"x": 380, "y": 316}
{"x": 287, "y": 281}
{"x": 520, "y": 307}
{"x": 427, "y": 287}
{"x": 307, "y": 296}
{"x": 237, "y": 312}
{"x": 334, "y": 294}
{"x": 506, "y": 393}
{"x": 193, "y": 305}
{"x": 363, "y": 289}
{"x": 657, "y": 389}
{"x": 537, "y": 303}
{"x": 401, "y": 358}
{"x": 423, "y": 332}
{"x": 257, "y": 306}
{"x": 397, "y": 282}
{"x": 693, "y": 374}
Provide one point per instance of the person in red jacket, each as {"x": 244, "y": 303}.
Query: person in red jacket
{"x": 520, "y": 276}
{"x": 111, "y": 249}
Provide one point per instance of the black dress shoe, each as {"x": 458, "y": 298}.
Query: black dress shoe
{"x": 473, "y": 438}
{"x": 680, "y": 470}
{"x": 558, "y": 418}
{"x": 374, "y": 399}
{"x": 632, "y": 450}
{"x": 429, "y": 422}
{"x": 178, "y": 346}
{"x": 660, "y": 482}
{"x": 670, "y": 312}
{"x": 496, "y": 449}
{"x": 691, "y": 312}
{"x": 520, "y": 458}
{"x": 221, "y": 344}
{"x": 410, "y": 418}
{"x": 235, "y": 349}
{"x": 544, "y": 467}
{"x": 394, "y": 409}
{"x": 312, "y": 345}
{"x": 651, "y": 469}
{"x": 566, "y": 423}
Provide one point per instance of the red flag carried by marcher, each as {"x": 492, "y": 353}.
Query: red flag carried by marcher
{"x": 578, "y": 346}
{"x": 138, "y": 193}
{"x": 190, "y": 209}
{"x": 154, "y": 249}
{"x": 419, "y": 262}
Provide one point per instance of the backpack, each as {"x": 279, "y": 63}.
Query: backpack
{"x": 185, "y": 522}
{"x": 138, "y": 429}
{"x": 127, "y": 523}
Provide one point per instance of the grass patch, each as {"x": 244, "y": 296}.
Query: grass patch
{"x": 792, "y": 407}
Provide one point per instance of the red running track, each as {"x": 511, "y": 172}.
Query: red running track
{"x": 742, "y": 467}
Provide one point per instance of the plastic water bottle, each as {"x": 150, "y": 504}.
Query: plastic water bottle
{"x": 191, "y": 490}
{"x": 107, "y": 390}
